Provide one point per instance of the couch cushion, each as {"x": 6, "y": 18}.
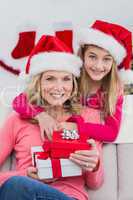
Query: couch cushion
{"x": 125, "y": 171}
{"x": 108, "y": 191}
{"x": 125, "y": 134}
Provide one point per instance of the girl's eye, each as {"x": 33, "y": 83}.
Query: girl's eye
{"x": 107, "y": 59}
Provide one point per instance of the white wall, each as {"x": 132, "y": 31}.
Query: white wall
{"x": 79, "y": 11}
{"x": 17, "y": 14}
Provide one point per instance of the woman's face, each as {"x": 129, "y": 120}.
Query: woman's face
{"x": 56, "y": 86}
{"x": 97, "y": 62}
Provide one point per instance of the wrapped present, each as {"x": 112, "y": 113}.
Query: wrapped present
{"x": 52, "y": 160}
{"x": 64, "y": 143}
{"x": 53, "y": 168}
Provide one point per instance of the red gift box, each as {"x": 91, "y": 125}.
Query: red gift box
{"x": 62, "y": 148}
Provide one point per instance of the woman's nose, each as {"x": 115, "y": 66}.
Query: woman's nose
{"x": 59, "y": 86}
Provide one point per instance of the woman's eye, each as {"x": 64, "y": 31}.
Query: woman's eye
{"x": 49, "y": 79}
{"x": 67, "y": 79}
{"x": 92, "y": 57}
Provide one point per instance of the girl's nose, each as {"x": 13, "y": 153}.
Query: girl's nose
{"x": 99, "y": 65}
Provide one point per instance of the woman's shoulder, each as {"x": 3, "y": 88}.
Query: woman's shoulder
{"x": 15, "y": 118}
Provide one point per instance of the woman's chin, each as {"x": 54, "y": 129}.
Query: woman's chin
{"x": 56, "y": 103}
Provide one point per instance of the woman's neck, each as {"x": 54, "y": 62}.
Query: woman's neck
{"x": 57, "y": 112}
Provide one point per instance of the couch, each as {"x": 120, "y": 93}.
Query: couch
{"x": 118, "y": 166}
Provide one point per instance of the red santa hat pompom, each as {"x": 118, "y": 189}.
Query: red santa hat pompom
{"x": 112, "y": 37}
{"x": 51, "y": 53}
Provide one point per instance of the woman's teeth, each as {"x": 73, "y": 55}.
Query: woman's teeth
{"x": 57, "y": 96}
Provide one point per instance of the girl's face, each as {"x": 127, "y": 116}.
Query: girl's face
{"x": 56, "y": 86}
{"x": 97, "y": 62}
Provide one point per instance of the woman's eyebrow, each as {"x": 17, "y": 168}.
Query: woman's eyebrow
{"x": 90, "y": 52}
{"x": 46, "y": 76}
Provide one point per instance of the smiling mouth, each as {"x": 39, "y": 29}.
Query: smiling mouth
{"x": 57, "y": 96}
{"x": 97, "y": 72}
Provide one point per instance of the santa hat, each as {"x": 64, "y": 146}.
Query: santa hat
{"x": 51, "y": 53}
{"x": 112, "y": 37}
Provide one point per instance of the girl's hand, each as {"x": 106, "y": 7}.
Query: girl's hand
{"x": 67, "y": 125}
{"x": 47, "y": 125}
{"x": 87, "y": 159}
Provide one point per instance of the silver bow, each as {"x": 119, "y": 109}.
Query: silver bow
{"x": 70, "y": 134}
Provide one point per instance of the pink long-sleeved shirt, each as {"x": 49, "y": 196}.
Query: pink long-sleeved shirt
{"x": 106, "y": 132}
{"x": 19, "y": 135}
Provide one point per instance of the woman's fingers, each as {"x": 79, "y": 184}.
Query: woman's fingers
{"x": 89, "y": 153}
{"x": 32, "y": 172}
{"x": 92, "y": 159}
{"x": 84, "y": 164}
{"x": 92, "y": 143}
{"x": 87, "y": 159}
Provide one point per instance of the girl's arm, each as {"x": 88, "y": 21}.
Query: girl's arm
{"x": 102, "y": 132}
{"x": 7, "y": 144}
{"x": 27, "y": 111}
{"x": 24, "y": 108}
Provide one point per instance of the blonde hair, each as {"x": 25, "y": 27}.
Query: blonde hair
{"x": 111, "y": 85}
{"x": 34, "y": 95}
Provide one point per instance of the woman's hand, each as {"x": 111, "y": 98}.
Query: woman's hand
{"x": 32, "y": 173}
{"x": 87, "y": 159}
{"x": 47, "y": 125}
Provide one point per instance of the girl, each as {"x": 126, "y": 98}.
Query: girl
{"x": 56, "y": 91}
{"x": 103, "y": 48}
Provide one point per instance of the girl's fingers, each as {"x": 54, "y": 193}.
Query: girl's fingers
{"x": 42, "y": 135}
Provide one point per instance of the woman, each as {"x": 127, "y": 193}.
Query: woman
{"x": 56, "y": 91}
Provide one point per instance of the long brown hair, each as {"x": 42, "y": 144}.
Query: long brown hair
{"x": 34, "y": 95}
{"x": 110, "y": 84}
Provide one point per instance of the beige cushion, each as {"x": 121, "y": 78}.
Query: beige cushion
{"x": 125, "y": 134}
{"x": 108, "y": 191}
{"x": 125, "y": 172}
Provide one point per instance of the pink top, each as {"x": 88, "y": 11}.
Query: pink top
{"x": 19, "y": 135}
{"x": 106, "y": 131}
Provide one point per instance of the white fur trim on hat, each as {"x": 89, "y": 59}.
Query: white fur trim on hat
{"x": 55, "y": 61}
{"x": 98, "y": 38}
